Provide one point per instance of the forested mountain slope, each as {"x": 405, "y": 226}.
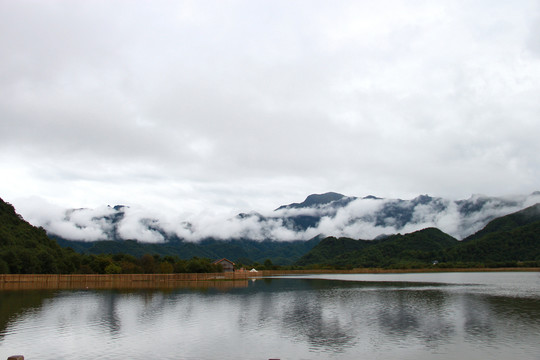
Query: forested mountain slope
{"x": 27, "y": 249}
{"x": 510, "y": 240}
{"x": 423, "y": 246}
{"x": 279, "y": 252}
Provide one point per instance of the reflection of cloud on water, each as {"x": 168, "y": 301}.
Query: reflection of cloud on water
{"x": 478, "y": 319}
{"x": 324, "y": 330}
{"x": 422, "y": 314}
{"x": 299, "y": 315}
{"x": 279, "y": 318}
{"x": 398, "y": 320}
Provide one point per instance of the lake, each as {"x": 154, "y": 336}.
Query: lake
{"x": 365, "y": 316}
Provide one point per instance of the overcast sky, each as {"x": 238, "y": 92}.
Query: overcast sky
{"x": 241, "y": 105}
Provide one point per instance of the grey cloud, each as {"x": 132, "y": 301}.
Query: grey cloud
{"x": 244, "y": 99}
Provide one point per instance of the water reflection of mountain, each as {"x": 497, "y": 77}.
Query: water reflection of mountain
{"x": 15, "y": 304}
{"x": 489, "y": 318}
{"x": 338, "y": 314}
{"x": 308, "y": 318}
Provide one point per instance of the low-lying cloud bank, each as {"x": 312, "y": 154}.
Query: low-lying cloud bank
{"x": 358, "y": 218}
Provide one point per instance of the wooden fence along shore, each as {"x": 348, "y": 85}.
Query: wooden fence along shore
{"x": 140, "y": 281}
{"x": 123, "y": 281}
{"x": 171, "y": 281}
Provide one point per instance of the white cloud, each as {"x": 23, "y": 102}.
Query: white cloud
{"x": 138, "y": 224}
{"x": 360, "y": 219}
{"x": 196, "y": 105}
{"x": 79, "y": 224}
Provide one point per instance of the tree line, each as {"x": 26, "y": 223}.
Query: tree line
{"x": 19, "y": 260}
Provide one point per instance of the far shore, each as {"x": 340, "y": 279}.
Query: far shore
{"x": 430, "y": 270}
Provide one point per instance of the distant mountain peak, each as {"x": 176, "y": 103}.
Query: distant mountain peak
{"x": 422, "y": 199}
{"x": 314, "y": 200}
{"x": 322, "y": 199}
{"x": 118, "y": 207}
{"x": 371, "y": 197}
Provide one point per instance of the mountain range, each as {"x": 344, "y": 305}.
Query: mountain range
{"x": 459, "y": 218}
{"x": 284, "y": 234}
{"x": 511, "y": 239}
{"x": 329, "y": 214}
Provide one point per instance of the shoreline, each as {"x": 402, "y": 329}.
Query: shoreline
{"x": 432, "y": 270}
{"x": 220, "y": 281}
{"x": 236, "y": 275}
{"x": 395, "y": 271}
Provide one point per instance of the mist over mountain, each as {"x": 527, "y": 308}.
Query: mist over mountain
{"x": 510, "y": 240}
{"x": 329, "y": 214}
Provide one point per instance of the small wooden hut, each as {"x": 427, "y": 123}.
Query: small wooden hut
{"x": 228, "y": 265}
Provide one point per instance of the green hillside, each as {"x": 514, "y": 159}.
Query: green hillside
{"x": 508, "y": 222}
{"x": 511, "y": 240}
{"x": 521, "y": 244}
{"x": 330, "y": 248}
{"x": 279, "y": 252}
{"x": 25, "y": 249}
{"x": 417, "y": 248}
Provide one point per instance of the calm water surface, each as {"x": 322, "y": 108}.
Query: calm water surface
{"x": 382, "y": 316}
